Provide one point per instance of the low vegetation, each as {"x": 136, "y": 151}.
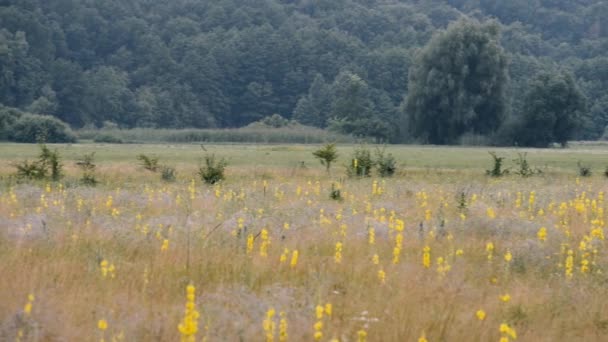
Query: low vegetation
{"x": 269, "y": 253}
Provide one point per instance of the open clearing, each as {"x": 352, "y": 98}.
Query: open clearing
{"x": 440, "y": 250}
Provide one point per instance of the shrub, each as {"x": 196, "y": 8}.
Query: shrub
{"x": 167, "y": 173}
{"x": 497, "y": 170}
{"x": 148, "y": 163}
{"x": 361, "y": 164}
{"x": 31, "y": 128}
{"x": 87, "y": 165}
{"x": 524, "y": 168}
{"x": 107, "y": 138}
{"x": 336, "y": 193}
{"x": 32, "y": 170}
{"x": 51, "y": 161}
{"x": 583, "y": 170}
{"x": 385, "y": 163}
{"x": 213, "y": 171}
{"x": 326, "y": 155}
{"x": 8, "y": 117}
{"x": 48, "y": 165}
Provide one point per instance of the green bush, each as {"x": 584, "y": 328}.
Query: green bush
{"x": 213, "y": 171}
{"x": 107, "y": 138}
{"x": 326, "y": 155}
{"x": 87, "y": 165}
{"x": 48, "y": 165}
{"x": 8, "y": 116}
{"x": 361, "y": 163}
{"x": 167, "y": 173}
{"x": 32, "y": 128}
{"x": 385, "y": 163}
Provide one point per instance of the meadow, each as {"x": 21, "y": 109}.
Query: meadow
{"x": 438, "y": 252}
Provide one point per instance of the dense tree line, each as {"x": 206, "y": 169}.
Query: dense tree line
{"x": 339, "y": 64}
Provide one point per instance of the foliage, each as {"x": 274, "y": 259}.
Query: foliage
{"x": 523, "y": 167}
{"x": 212, "y": 64}
{"x": 326, "y": 155}
{"x": 497, "y": 169}
{"x": 32, "y": 128}
{"x": 167, "y": 173}
{"x": 385, "y": 163}
{"x": 107, "y": 138}
{"x": 213, "y": 170}
{"x": 584, "y": 170}
{"x": 335, "y": 193}
{"x": 458, "y": 83}
{"x": 553, "y": 109}
{"x": 87, "y": 166}
{"x": 148, "y": 163}
{"x": 8, "y": 116}
{"x": 47, "y": 166}
{"x": 361, "y": 163}
{"x": 275, "y": 121}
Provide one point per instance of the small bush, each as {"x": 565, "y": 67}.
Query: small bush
{"x": 51, "y": 161}
{"x": 524, "y": 168}
{"x": 32, "y": 128}
{"x": 326, "y": 155}
{"x": 213, "y": 171}
{"x": 361, "y": 164}
{"x": 335, "y": 193}
{"x": 275, "y": 121}
{"x": 107, "y": 138}
{"x": 8, "y": 117}
{"x": 497, "y": 170}
{"x": 48, "y": 165}
{"x": 148, "y": 163}
{"x": 167, "y": 173}
{"x": 584, "y": 170}
{"x": 385, "y": 163}
{"x": 32, "y": 170}
{"x": 87, "y": 165}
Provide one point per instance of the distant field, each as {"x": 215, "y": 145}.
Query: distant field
{"x": 440, "y": 251}
{"x": 292, "y": 155}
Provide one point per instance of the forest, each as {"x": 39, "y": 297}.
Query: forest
{"x": 524, "y": 72}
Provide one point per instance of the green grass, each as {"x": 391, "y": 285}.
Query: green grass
{"x": 289, "y": 156}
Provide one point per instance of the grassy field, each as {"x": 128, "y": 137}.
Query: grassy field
{"x": 440, "y": 252}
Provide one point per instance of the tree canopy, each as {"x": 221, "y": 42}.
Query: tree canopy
{"x": 458, "y": 84}
{"x": 227, "y": 63}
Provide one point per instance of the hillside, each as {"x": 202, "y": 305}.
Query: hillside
{"x": 227, "y": 63}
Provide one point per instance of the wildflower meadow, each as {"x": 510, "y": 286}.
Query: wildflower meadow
{"x": 284, "y": 249}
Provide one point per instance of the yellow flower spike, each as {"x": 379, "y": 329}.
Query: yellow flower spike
{"x": 382, "y": 276}
{"x": 165, "y": 245}
{"x": 508, "y": 256}
{"x": 426, "y": 257}
{"x": 27, "y": 309}
{"x": 283, "y": 328}
{"x": 480, "y": 314}
{"x": 491, "y": 213}
{"x": 361, "y": 336}
{"x": 338, "y": 254}
{"x": 294, "y": 259}
{"x": 376, "y": 259}
{"x": 102, "y": 325}
{"x": 505, "y": 298}
{"x": 459, "y": 252}
{"x": 422, "y": 338}
{"x": 319, "y": 312}
{"x": 542, "y": 234}
{"x": 328, "y": 309}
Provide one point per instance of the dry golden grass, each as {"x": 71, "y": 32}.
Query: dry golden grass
{"x": 161, "y": 237}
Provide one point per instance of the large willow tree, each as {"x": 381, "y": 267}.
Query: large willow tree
{"x": 457, "y": 84}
